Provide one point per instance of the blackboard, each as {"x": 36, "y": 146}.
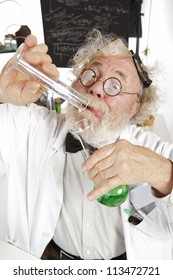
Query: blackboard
{"x": 67, "y": 22}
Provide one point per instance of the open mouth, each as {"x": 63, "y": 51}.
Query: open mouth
{"x": 97, "y": 113}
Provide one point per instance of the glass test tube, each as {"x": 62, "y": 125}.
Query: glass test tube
{"x": 60, "y": 89}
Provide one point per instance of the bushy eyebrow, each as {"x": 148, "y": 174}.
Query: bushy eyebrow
{"x": 97, "y": 63}
{"x": 94, "y": 63}
{"x": 121, "y": 74}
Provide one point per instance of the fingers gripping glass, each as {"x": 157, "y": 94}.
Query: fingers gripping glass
{"x": 59, "y": 88}
{"x": 111, "y": 86}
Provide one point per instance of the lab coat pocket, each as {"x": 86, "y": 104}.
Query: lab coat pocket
{"x": 151, "y": 238}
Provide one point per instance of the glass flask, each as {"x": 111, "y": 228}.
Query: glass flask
{"x": 115, "y": 196}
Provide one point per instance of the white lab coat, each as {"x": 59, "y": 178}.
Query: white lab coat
{"x": 31, "y": 190}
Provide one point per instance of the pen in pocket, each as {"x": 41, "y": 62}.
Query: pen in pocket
{"x": 134, "y": 217}
{"x": 134, "y": 214}
{"x": 133, "y": 220}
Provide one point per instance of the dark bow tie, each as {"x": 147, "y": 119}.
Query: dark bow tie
{"x": 73, "y": 145}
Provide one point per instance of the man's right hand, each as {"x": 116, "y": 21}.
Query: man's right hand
{"x": 19, "y": 89}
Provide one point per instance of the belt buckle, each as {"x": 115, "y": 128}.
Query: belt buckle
{"x": 65, "y": 256}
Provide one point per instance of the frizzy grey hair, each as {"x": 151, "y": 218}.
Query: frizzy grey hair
{"x": 96, "y": 41}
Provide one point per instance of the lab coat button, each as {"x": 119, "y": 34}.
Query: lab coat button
{"x": 45, "y": 234}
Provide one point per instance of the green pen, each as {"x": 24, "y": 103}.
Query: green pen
{"x": 58, "y": 105}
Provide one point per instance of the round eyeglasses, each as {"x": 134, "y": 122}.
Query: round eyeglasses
{"x": 111, "y": 86}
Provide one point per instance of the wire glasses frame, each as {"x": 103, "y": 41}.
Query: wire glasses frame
{"x": 111, "y": 86}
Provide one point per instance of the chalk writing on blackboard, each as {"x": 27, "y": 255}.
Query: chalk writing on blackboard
{"x": 66, "y": 23}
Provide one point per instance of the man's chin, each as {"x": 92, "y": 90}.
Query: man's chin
{"x": 100, "y": 132}
{"x": 99, "y": 137}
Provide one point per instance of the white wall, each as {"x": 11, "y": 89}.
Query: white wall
{"x": 161, "y": 41}
{"x": 157, "y": 25}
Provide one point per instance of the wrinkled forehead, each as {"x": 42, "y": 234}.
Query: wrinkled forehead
{"x": 113, "y": 66}
{"x": 116, "y": 48}
{"x": 113, "y": 55}
{"x": 112, "y": 63}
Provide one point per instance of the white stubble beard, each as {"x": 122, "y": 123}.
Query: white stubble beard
{"x": 102, "y": 131}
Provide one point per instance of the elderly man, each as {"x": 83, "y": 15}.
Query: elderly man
{"x": 43, "y": 187}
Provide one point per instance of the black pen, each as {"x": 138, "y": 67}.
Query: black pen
{"x": 133, "y": 220}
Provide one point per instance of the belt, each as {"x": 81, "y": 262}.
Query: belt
{"x": 54, "y": 252}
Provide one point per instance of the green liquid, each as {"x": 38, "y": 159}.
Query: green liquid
{"x": 115, "y": 196}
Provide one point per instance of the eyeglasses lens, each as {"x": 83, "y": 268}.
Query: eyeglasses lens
{"x": 88, "y": 78}
{"x": 112, "y": 86}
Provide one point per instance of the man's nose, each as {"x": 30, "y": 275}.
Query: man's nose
{"x": 97, "y": 89}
